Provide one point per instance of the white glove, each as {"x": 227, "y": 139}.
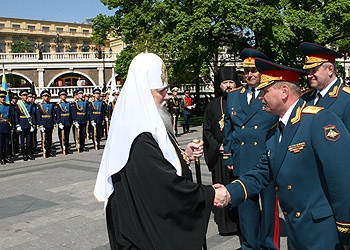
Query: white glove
{"x": 76, "y": 125}
{"x": 61, "y": 126}
{"x": 189, "y": 107}
{"x": 32, "y": 129}
{"x": 194, "y": 105}
{"x": 93, "y": 124}
{"x": 174, "y": 116}
{"x": 106, "y": 119}
{"x": 19, "y": 129}
{"x": 42, "y": 129}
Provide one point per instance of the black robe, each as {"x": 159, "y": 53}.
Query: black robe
{"x": 154, "y": 208}
{"x": 227, "y": 220}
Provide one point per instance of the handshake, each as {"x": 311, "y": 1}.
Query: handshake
{"x": 222, "y": 196}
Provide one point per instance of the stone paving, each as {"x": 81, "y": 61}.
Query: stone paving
{"x": 49, "y": 203}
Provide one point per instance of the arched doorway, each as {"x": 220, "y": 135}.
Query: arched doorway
{"x": 17, "y": 81}
{"x": 70, "y": 80}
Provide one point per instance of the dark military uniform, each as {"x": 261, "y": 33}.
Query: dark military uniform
{"x": 80, "y": 115}
{"x": 14, "y": 141}
{"x": 173, "y": 105}
{"x": 34, "y": 143}
{"x": 45, "y": 122}
{"x": 64, "y": 122}
{"x": 337, "y": 98}
{"x": 309, "y": 169}
{"x": 25, "y": 122}
{"x": 6, "y": 124}
{"x": 245, "y": 129}
{"x": 96, "y": 115}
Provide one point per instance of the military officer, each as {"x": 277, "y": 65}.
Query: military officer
{"x": 174, "y": 107}
{"x": 45, "y": 113}
{"x": 187, "y": 104}
{"x": 110, "y": 108}
{"x": 306, "y": 162}
{"x": 25, "y": 122}
{"x": 6, "y": 123}
{"x": 64, "y": 121}
{"x": 245, "y": 127}
{"x": 34, "y": 144}
{"x": 80, "y": 120}
{"x": 328, "y": 91}
{"x": 14, "y": 135}
{"x": 96, "y": 115}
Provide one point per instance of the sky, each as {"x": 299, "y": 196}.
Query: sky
{"x": 72, "y": 11}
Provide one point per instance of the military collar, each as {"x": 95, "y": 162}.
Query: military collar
{"x": 324, "y": 91}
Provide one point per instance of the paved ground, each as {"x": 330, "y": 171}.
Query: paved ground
{"x": 49, "y": 204}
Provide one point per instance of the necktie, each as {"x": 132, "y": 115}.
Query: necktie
{"x": 319, "y": 98}
{"x": 281, "y": 127}
{"x": 253, "y": 97}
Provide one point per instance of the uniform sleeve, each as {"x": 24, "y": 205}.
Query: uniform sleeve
{"x": 17, "y": 115}
{"x": 331, "y": 141}
{"x": 211, "y": 144}
{"x": 74, "y": 111}
{"x": 38, "y": 116}
{"x": 227, "y": 140}
{"x": 251, "y": 183}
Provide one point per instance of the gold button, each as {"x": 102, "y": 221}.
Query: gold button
{"x": 255, "y": 127}
{"x": 276, "y": 188}
{"x": 289, "y": 187}
{"x": 297, "y": 215}
{"x": 234, "y": 113}
{"x": 255, "y": 143}
{"x": 243, "y": 127}
{"x": 242, "y": 143}
{"x": 285, "y": 213}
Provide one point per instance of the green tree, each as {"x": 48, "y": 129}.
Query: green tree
{"x": 23, "y": 46}
{"x": 190, "y": 35}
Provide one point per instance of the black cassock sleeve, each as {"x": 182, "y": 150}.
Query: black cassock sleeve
{"x": 154, "y": 208}
{"x": 210, "y": 134}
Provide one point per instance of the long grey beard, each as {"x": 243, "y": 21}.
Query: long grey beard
{"x": 166, "y": 118}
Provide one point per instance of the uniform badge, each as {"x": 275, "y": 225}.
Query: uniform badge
{"x": 296, "y": 148}
{"x": 221, "y": 122}
{"x": 331, "y": 133}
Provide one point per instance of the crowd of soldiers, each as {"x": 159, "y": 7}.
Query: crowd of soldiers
{"x": 20, "y": 121}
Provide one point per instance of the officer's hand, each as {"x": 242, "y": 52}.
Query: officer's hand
{"x": 229, "y": 167}
{"x": 221, "y": 149}
{"x": 31, "y": 129}
{"x": 189, "y": 107}
{"x": 222, "y": 196}
{"x": 106, "y": 119}
{"x": 194, "y": 106}
{"x": 61, "y": 126}
{"x": 93, "y": 124}
{"x": 42, "y": 129}
{"x": 76, "y": 125}
{"x": 19, "y": 129}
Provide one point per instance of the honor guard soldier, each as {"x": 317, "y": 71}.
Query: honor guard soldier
{"x": 96, "y": 114}
{"x": 14, "y": 134}
{"x": 64, "y": 121}
{"x": 245, "y": 127}
{"x": 45, "y": 113}
{"x": 25, "y": 122}
{"x": 31, "y": 99}
{"x": 187, "y": 104}
{"x": 328, "y": 91}
{"x": 307, "y": 162}
{"x": 6, "y": 123}
{"x": 174, "y": 108}
{"x": 80, "y": 120}
{"x": 88, "y": 99}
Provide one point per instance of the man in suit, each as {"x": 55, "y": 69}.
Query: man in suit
{"x": 306, "y": 162}
{"x": 328, "y": 91}
{"x": 245, "y": 127}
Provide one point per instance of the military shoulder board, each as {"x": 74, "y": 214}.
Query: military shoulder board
{"x": 346, "y": 89}
{"x": 312, "y": 110}
{"x": 231, "y": 90}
